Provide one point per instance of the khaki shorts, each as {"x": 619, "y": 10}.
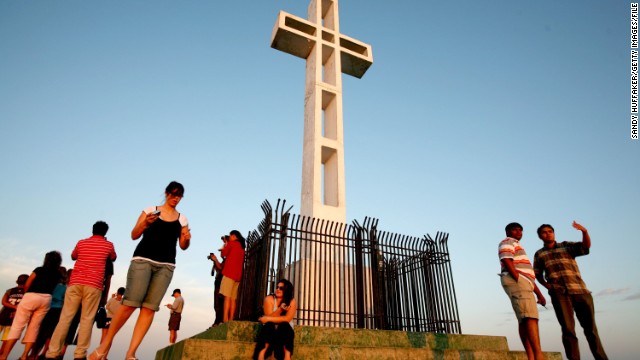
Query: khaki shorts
{"x": 229, "y": 288}
{"x": 521, "y": 295}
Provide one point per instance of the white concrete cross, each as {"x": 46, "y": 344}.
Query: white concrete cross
{"x": 328, "y": 54}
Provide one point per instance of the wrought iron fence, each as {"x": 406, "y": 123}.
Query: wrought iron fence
{"x": 351, "y": 276}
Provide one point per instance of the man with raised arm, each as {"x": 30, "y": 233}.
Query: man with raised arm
{"x": 556, "y": 269}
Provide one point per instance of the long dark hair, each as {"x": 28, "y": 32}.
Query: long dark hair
{"x": 174, "y": 188}
{"x": 287, "y": 293}
{"x": 52, "y": 260}
{"x": 240, "y": 238}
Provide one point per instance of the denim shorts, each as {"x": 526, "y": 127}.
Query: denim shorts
{"x": 147, "y": 283}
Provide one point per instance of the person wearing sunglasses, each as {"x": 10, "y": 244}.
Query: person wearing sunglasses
{"x": 277, "y": 333}
{"x": 161, "y": 229}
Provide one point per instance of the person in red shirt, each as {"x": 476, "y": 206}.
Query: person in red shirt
{"x": 84, "y": 290}
{"x": 233, "y": 253}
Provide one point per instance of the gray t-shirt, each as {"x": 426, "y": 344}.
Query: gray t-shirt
{"x": 178, "y": 303}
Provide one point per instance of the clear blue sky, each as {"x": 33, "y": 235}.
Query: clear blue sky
{"x": 474, "y": 114}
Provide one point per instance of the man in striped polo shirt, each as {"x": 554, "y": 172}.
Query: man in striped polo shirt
{"x": 518, "y": 281}
{"x": 556, "y": 269}
{"x": 84, "y": 290}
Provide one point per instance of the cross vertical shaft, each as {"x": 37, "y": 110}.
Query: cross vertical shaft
{"x": 328, "y": 54}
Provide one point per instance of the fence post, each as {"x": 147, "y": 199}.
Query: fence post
{"x": 359, "y": 276}
{"x": 377, "y": 274}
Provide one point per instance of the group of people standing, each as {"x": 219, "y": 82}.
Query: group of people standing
{"x": 161, "y": 229}
{"x": 52, "y": 301}
{"x": 29, "y": 309}
{"x": 555, "y": 268}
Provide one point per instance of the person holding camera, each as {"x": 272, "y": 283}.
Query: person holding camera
{"x": 233, "y": 253}
{"x": 216, "y": 270}
{"x": 162, "y": 229}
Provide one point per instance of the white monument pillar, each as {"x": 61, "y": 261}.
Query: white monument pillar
{"x": 328, "y": 54}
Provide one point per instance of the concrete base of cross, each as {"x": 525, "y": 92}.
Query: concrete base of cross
{"x": 236, "y": 340}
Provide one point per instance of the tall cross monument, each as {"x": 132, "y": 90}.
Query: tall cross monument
{"x": 328, "y": 54}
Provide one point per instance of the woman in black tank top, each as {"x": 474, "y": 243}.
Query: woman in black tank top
{"x": 161, "y": 228}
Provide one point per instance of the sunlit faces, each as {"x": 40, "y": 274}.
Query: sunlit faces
{"x": 546, "y": 234}
{"x": 174, "y": 198}
{"x": 515, "y": 232}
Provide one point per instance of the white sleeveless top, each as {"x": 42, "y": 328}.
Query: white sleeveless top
{"x": 275, "y": 307}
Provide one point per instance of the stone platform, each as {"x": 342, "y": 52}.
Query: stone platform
{"x": 236, "y": 340}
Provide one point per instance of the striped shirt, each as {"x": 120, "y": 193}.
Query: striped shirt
{"x": 510, "y": 248}
{"x": 560, "y": 269}
{"x": 91, "y": 258}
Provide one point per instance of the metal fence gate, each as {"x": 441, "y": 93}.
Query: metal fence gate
{"x": 352, "y": 276}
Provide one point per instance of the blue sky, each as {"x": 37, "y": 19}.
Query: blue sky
{"x": 474, "y": 114}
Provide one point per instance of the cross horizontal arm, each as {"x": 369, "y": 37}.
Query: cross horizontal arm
{"x": 355, "y": 56}
{"x": 297, "y": 36}
{"x": 293, "y": 35}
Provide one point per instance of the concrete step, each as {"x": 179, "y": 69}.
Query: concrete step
{"x": 199, "y": 349}
{"x": 314, "y": 335}
{"x": 236, "y": 340}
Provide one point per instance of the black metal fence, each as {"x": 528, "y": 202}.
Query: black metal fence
{"x": 350, "y": 276}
